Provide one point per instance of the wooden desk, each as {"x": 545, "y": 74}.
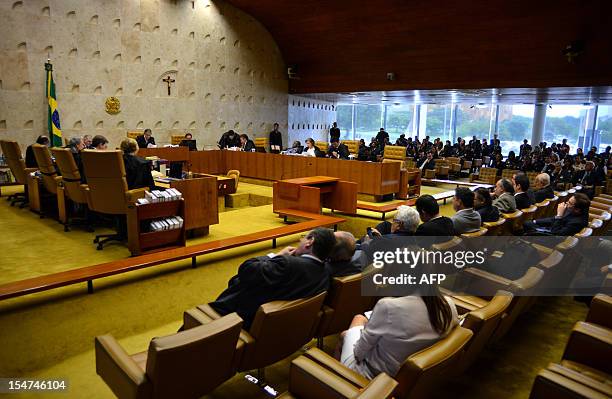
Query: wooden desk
{"x": 225, "y": 185}
{"x": 201, "y": 206}
{"x": 172, "y": 154}
{"x": 309, "y": 194}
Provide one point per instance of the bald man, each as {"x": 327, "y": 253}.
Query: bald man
{"x": 543, "y": 190}
{"x": 345, "y": 259}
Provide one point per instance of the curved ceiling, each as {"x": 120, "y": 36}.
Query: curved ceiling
{"x": 351, "y": 45}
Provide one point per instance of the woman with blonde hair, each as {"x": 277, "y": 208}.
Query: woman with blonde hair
{"x": 137, "y": 169}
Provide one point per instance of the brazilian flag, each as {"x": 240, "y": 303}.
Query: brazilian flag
{"x": 55, "y": 132}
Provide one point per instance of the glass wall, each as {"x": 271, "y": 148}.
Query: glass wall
{"x": 399, "y": 120}
{"x": 344, "y": 118}
{"x": 368, "y": 121}
{"x": 603, "y": 128}
{"x": 515, "y": 123}
{"x": 438, "y": 121}
{"x": 565, "y": 122}
{"x": 475, "y": 120}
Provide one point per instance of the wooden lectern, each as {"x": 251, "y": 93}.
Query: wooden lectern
{"x": 310, "y": 194}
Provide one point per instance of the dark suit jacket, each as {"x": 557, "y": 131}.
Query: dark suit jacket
{"x": 249, "y": 146}
{"x": 590, "y": 179}
{"x": 569, "y": 224}
{"x": 276, "y": 138}
{"x": 263, "y": 279}
{"x": 30, "y": 159}
{"x": 342, "y": 150}
{"x": 142, "y": 143}
{"x": 334, "y": 133}
{"x": 544, "y": 193}
{"x": 342, "y": 268}
{"x": 138, "y": 172}
{"x": 488, "y": 214}
{"x": 428, "y": 165}
{"x": 440, "y": 226}
{"x": 522, "y": 201}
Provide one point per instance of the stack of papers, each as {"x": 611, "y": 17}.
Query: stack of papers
{"x": 171, "y": 194}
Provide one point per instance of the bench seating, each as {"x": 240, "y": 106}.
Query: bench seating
{"x": 90, "y": 273}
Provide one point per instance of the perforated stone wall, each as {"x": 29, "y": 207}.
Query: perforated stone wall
{"x": 310, "y": 117}
{"x": 228, "y": 72}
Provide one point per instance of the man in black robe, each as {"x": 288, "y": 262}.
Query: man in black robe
{"x": 293, "y": 273}
{"x": 276, "y": 140}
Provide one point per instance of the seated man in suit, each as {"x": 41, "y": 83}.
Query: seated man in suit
{"x": 345, "y": 259}
{"x": 521, "y": 187}
{"x": 504, "y": 196}
{"x": 337, "y": 150}
{"x": 137, "y": 169}
{"x": 293, "y": 273}
{"x": 246, "y": 144}
{"x": 484, "y": 206}
{"x": 427, "y": 163}
{"x": 296, "y": 148}
{"x": 146, "y": 139}
{"x": 433, "y": 223}
{"x": 588, "y": 179}
{"x": 30, "y": 159}
{"x": 572, "y": 216}
{"x": 543, "y": 188}
{"x": 466, "y": 220}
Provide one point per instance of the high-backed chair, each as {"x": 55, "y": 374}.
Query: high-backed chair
{"x": 419, "y": 372}
{"x": 542, "y": 208}
{"x": 188, "y": 364}
{"x": 235, "y": 174}
{"x": 279, "y": 329}
{"x": 395, "y": 153}
{"x": 528, "y": 215}
{"x": 513, "y": 222}
{"x": 343, "y": 301}
{"x": 603, "y": 215}
{"x": 483, "y": 322}
{"x": 323, "y": 145}
{"x": 352, "y": 145}
{"x": 486, "y": 175}
{"x": 557, "y": 382}
{"x": 600, "y": 311}
{"x": 454, "y": 164}
{"x": 69, "y": 184}
{"x": 133, "y": 134}
{"x": 15, "y": 161}
{"x": 508, "y": 173}
{"x": 108, "y": 189}
{"x": 49, "y": 176}
{"x": 310, "y": 380}
{"x": 442, "y": 168}
{"x": 495, "y": 228}
{"x": 552, "y": 207}
{"x": 175, "y": 139}
{"x": 261, "y": 142}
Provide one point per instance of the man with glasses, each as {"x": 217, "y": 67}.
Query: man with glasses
{"x": 292, "y": 273}
{"x": 572, "y": 216}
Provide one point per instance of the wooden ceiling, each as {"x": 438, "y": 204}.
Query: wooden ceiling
{"x": 351, "y": 45}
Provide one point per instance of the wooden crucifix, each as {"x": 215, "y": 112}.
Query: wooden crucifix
{"x": 168, "y": 81}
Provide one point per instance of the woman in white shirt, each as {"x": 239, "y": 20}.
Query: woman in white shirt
{"x": 397, "y": 328}
{"x": 311, "y": 149}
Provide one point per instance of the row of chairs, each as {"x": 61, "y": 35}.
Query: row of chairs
{"x": 585, "y": 370}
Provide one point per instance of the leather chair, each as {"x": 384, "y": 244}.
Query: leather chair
{"x": 478, "y": 233}
{"x": 603, "y": 215}
{"x": 49, "y": 176}
{"x": 419, "y": 372}
{"x": 133, "y": 134}
{"x": 542, "y": 208}
{"x": 188, "y": 364}
{"x": 508, "y": 173}
{"x": 513, "y": 222}
{"x": 69, "y": 185}
{"x": 343, "y": 301}
{"x": 235, "y": 174}
{"x": 558, "y": 382}
{"x": 562, "y": 195}
{"x": 310, "y": 380}
{"x": 352, "y": 145}
{"x": 442, "y": 168}
{"x": 410, "y": 164}
{"x": 262, "y": 142}
{"x": 175, "y": 139}
{"x": 600, "y": 311}
{"x": 323, "y": 145}
{"x": 279, "y": 329}
{"x": 395, "y": 153}
{"x": 495, "y": 228}
{"x": 15, "y": 161}
{"x": 486, "y": 175}
{"x": 483, "y": 322}
{"x": 108, "y": 189}
{"x": 552, "y": 207}
{"x": 454, "y": 164}
{"x": 589, "y": 349}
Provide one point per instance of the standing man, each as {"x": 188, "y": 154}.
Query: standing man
{"x": 334, "y": 133}
{"x": 146, "y": 139}
{"x": 276, "y": 140}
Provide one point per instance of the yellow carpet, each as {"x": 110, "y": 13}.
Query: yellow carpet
{"x": 50, "y": 335}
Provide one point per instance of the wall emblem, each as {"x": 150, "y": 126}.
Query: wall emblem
{"x": 113, "y": 105}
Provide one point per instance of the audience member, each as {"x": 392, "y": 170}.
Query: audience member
{"x": 504, "y": 196}
{"x": 572, "y": 216}
{"x": 521, "y": 185}
{"x": 466, "y": 219}
{"x": 345, "y": 259}
{"x": 293, "y": 273}
{"x": 433, "y": 223}
{"x": 543, "y": 188}
{"x": 484, "y": 206}
{"x": 87, "y": 143}
{"x": 99, "y": 143}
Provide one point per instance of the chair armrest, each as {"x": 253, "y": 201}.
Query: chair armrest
{"x": 120, "y": 372}
{"x": 381, "y": 387}
{"x": 338, "y": 368}
{"x": 30, "y": 170}
{"x": 132, "y": 195}
{"x": 549, "y": 384}
{"x": 194, "y": 318}
{"x": 600, "y": 311}
{"x": 590, "y": 345}
{"x": 310, "y": 380}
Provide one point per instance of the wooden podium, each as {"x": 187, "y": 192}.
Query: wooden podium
{"x": 310, "y": 194}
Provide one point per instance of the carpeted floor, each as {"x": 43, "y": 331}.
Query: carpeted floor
{"x": 51, "y": 334}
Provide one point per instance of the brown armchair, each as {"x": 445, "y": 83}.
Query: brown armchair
{"x": 395, "y": 153}
{"x": 495, "y": 228}
{"x": 70, "y": 186}
{"x": 279, "y": 329}
{"x": 235, "y": 174}
{"x": 15, "y": 161}
{"x": 108, "y": 190}
{"x": 419, "y": 372}
{"x": 188, "y": 364}
{"x": 49, "y": 176}
{"x": 310, "y": 380}
{"x": 485, "y": 175}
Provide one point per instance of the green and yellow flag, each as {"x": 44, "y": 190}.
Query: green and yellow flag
{"x": 55, "y": 132}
